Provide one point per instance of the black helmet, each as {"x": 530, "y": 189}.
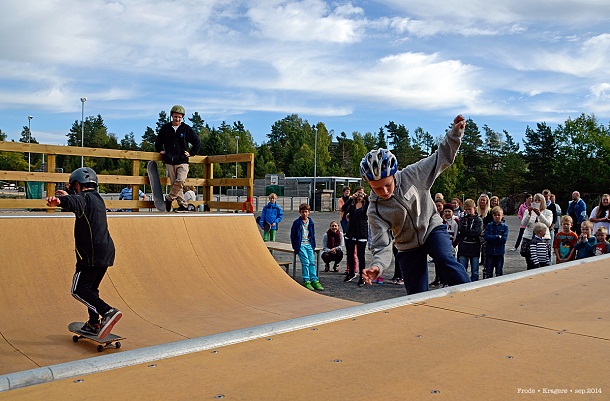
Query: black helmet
{"x": 84, "y": 176}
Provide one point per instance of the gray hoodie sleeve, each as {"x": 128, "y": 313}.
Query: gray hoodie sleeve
{"x": 381, "y": 240}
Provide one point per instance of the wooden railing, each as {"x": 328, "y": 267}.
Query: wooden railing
{"x": 50, "y": 177}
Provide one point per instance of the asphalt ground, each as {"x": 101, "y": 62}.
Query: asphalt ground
{"x": 333, "y": 283}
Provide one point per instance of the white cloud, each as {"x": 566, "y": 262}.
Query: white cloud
{"x": 307, "y": 20}
{"x": 560, "y": 12}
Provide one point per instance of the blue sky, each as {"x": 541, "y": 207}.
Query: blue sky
{"x": 352, "y": 65}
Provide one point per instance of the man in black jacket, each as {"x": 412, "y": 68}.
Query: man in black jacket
{"x": 172, "y": 142}
{"x": 94, "y": 248}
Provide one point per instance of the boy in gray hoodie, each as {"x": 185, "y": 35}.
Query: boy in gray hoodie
{"x": 402, "y": 212}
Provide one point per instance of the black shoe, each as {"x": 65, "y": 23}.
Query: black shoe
{"x": 349, "y": 277}
{"x": 91, "y": 328}
{"x": 360, "y": 282}
{"x": 181, "y": 209}
{"x": 168, "y": 205}
{"x": 326, "y": 267}
{"x": 108, "y": 321}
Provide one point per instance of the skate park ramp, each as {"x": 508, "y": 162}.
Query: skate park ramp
{"x": 535, "y": 335}
{"x": 175, "y": 277}
{"x": 532, "y": 335}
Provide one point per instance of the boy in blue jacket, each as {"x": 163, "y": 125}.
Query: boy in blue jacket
{"x": 496, "y": 234}
{"x": 303, "y": 239}
{"x": 270, "y": 217}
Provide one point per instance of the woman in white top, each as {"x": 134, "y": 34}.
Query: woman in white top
{"x": 536, "y": 212}
{"x": 599, "y": 215}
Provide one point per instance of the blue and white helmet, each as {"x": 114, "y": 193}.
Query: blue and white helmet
{"x": 378, "y": 164}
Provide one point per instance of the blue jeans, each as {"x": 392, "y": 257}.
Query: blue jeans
{"x": 494, "y": 261}
{"x": 414, "y": 263}
{"x": 308, "y": 263}
{"x": 474, "y": 266}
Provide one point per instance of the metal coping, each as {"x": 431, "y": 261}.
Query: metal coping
{"x": 163, "y": 351}
{"x": 70, "y": 215}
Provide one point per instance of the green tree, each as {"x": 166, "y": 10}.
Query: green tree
{"x": 11, "y": 161}
{"x": 582, "y": 154}
{"x": 264, "y": 162}
{"x": 129, "y": 142}
{"x": 423, "y": 143}
{"x": 197, "y": 122}
{"x": 493, "y": 155}
{"x": 148, "y": 140}
{"x": 540, "y": 156}
{"x": 470, "y": 149}
{"x": 286, "y": 138}
{"x": 510, "y": 176}
{"x": 161, "y": 121}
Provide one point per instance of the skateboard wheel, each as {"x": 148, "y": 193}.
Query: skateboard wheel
{"x": 75, "y": 339}
{"x": 117, "y": 345}
{"x": 100, "y": 348}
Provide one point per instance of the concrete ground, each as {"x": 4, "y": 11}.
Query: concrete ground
{"x": 333, "y": 282}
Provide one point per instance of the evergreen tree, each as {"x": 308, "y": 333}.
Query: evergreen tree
{"x": 148, "y": 140}
{"x": 196, "y": 122}
{"x": 470, "y": 149}
{"x": 161, "y": 121}
{"x": 492, "y": 154}
{"x": 540, "y": 152}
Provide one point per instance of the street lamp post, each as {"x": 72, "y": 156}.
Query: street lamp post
{"x": 315, "y": 164}
{"x": 236, "y": 152}
{"x": 82, "y": 130}
{"x": 29, "y": 140}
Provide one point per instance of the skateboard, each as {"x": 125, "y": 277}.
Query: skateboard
{"x": 155, "y": 184}
{"x": 111, "y": 340}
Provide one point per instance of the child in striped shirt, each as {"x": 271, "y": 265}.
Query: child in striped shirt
{"x": 539, "y": 248}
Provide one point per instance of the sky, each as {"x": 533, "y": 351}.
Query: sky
{"x": 353, "y": 65}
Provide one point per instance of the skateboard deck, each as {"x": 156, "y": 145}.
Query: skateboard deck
{"x": 111, "y": 340}
{"x": 155, "y": 184}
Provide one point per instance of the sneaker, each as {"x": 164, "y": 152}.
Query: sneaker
{"x": 326, "y": 267}
{"x": 349, "y": 277}
{"x": 400, "y": 282}
{"x": 379, "y": 280}
{"x": 181, "y": 209}
{"x": 317, "y": 286}
{"x": 513, "y": 249}
{"x": 360, "y": 282}
{"x": 108, "y": 321}
{"x": 168, "y": 205}
{"x": 335, "y": 268}
{"x": 91, "y": 328}
{"x": 307, "y": 284}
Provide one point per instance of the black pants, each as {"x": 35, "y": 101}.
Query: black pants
{"x": 360, "y": 247}
{"x": 85, "y": 288}
{"x": 397, "y": 271}
{"x": 336, "y": 257}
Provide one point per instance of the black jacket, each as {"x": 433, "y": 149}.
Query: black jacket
{"x": 175, "y": 143}
{"x": 358, "y": 223}
{"x": 469, "y": 236}
{"x": 94, "y": 246}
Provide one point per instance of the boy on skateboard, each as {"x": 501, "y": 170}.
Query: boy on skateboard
{"x": 402, "y": 212}
{"x": 94, "y": 248}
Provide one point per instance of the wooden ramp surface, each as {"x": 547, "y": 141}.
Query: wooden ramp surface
{"x": 540, "y": 337}
{"x": 175, "y": 277}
